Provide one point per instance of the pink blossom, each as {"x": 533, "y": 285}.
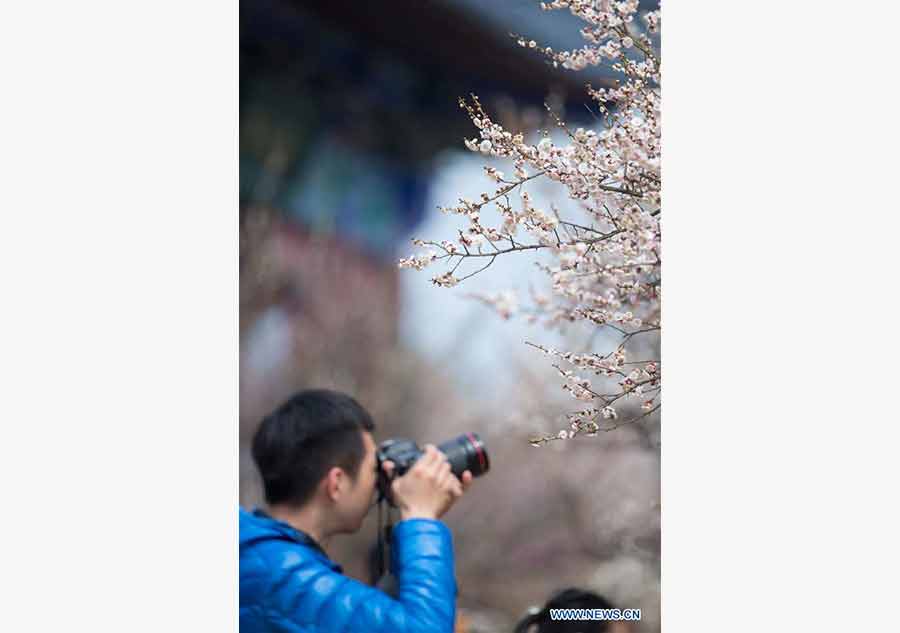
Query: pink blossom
{"x": 603, "y": 268}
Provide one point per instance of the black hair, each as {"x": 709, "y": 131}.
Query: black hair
{"x": 297, "y": 444}
{"x": 567, "y": 599}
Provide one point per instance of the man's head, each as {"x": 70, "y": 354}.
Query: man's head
{"x": 317, "y": 448}
{"x": 542, "y": 622}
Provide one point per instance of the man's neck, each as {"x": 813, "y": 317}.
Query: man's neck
{"x": 306, "y": 519}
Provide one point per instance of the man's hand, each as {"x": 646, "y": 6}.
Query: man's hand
{"x": 428, "y": 489}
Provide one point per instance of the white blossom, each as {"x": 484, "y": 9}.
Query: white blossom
{"x": 603, "y": 267}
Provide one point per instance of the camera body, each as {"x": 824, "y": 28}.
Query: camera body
{"x": 466, "y": 452}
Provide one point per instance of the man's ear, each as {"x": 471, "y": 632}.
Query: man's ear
{"x": 334, "y": 482}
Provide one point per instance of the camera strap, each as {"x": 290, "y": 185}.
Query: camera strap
{"x": 385, "y": 524}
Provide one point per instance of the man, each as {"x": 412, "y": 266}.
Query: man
{"x": 316, "y": 455}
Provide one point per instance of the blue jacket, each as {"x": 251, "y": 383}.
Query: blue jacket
{"x": 289, "y": 585}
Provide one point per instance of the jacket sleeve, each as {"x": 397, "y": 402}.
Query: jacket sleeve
{"x": 422, "y": 561}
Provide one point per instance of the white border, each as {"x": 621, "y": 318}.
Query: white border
{"x": 119, "y": 336}
{"x": 779, "y": 436}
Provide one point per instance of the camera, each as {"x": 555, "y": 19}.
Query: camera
{"x": 466, "y": 452}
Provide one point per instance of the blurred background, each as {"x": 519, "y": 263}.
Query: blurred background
{"x": 350, "y": 137}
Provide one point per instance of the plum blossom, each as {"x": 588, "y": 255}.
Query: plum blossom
{"x": 419, "y": 261}
{"x": 604, "y": 269}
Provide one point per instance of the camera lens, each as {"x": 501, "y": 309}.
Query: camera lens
{"x": 466, "y": 452}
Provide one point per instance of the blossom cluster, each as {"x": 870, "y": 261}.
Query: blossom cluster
{"x": 606, "y": 264}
